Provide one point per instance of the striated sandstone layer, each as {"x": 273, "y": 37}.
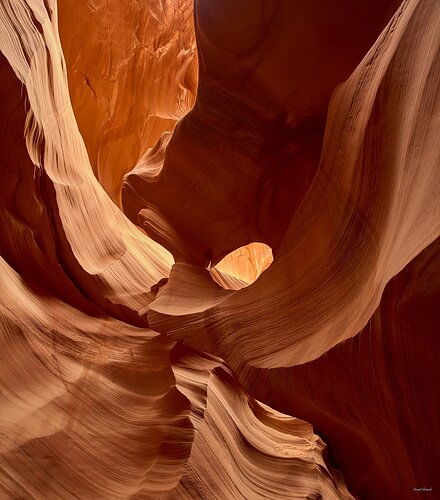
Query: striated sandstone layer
{"x": 278, "y": 259}
{"x": 372, "y": 207}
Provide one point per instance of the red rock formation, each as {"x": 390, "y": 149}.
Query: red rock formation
{"x": 313, "y": 137}
{"x": 375, "y": 180}
{"x": 374, "y": 397}
{"x": 131, "y": 66}
{"x": 251, "y": 145}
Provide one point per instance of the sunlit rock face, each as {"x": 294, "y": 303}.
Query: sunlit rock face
{"x": 132, "y": 67}
{"x": 219, "y": 249}
{"x": 247, "y": 263}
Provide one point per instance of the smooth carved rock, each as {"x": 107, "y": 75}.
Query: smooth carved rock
{"x": 283, "y": 262}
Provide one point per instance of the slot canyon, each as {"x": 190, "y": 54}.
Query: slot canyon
{"x": 219, "y": 249}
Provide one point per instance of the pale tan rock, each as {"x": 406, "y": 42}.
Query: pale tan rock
{"x": 178, "y": 361}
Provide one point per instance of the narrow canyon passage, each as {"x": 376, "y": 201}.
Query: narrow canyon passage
{"x": 219, "y": 242}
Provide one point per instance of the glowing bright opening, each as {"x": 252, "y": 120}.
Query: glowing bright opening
{"x": 247, "y": 263}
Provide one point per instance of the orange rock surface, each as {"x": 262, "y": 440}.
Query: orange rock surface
{"x": 219, "y": 249}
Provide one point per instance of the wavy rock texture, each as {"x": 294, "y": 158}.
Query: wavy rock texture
{"x": 377, "y": 405}
{"x": 244, "y": 449}
{"x": 374, "y": 184}
{"x": 287, "y": 265}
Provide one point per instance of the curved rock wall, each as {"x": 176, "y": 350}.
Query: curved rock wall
{"x": 161, "y": 353}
